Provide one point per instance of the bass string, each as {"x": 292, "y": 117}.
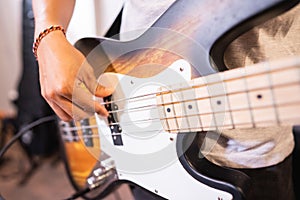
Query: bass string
{"x": 204, "y": 84}
{"x": 89, "y": 127}
{"x": 137, "y": 109}
{"x": 174, "y": 131}
{"x": 76, "y": 128}
{"x": 124, "y": 123}
{"x": 67, "y": 136}
{"x": 182, "y": 116}
{"x": 155, "y": 106}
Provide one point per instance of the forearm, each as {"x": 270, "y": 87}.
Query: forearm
{"x": 52, "y": 12}
{"x": 61, "y": 68}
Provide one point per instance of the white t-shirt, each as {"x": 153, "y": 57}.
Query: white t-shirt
{"x": 250, "y": 148}
{"x": 139, "y": 15}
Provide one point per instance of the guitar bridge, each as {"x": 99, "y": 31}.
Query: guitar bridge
{"x": 103, "y": 174}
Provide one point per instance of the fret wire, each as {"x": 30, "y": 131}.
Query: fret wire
{"x": 164, "y": 112}
{"x": 216, "y": 103}
{"x": 269, "y": 75}
{"x": 184, "y": 108}
{"x": 248, "y": 99}
{"x": 229, "y": 107}
{"x": 176, "y": 120}
{"x": 198, "y": 116}
{"x": 213, "y": 114}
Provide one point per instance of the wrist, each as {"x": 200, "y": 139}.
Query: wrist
{"x": 47, "y": 31}
{"x": 41, "y": 25}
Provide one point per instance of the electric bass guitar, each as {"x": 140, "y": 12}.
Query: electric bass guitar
{"x": 171, "y": 86}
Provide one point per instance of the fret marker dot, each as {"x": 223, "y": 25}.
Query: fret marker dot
{"x": 219, "y": 102}
{"x": 259, "y": 96}
{"x": 168, "y": 110}
{"x": 190, "y": 107}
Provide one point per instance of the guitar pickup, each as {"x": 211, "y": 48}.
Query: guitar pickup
{"x": 113, "y": 121}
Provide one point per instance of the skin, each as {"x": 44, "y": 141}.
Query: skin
{"x": 67, "y": 84}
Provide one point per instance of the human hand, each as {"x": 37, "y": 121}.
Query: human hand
{"x": 67, "y": 82}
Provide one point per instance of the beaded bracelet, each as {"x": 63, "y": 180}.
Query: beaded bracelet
{"x": 43, "y": 34}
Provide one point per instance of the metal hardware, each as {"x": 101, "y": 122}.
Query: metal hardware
{"x": 103, "y": 174}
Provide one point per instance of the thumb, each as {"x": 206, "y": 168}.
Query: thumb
{"x": 88, "y": 78}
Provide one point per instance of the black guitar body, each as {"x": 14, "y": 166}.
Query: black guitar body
{"x": 200, "y": 32}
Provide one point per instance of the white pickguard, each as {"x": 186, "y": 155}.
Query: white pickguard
{"x": 148, "y": 155}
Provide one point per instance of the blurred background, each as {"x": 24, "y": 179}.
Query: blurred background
{"x": 32, "y": 168}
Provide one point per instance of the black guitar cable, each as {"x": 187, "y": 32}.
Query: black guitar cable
{"x": 21, "y": 132}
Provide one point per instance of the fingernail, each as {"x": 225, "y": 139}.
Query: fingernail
{"x": 109, "y": 90}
